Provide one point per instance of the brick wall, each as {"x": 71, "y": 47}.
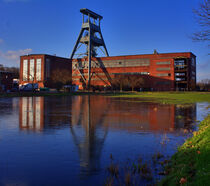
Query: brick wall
{"x": 158, "y": 67}
{"x": 48, "y": 65}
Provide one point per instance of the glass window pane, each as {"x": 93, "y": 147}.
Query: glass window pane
{"x": 31, "y": 74}
{"x": 25, "y": 70}
{"x": 38, "y": 69}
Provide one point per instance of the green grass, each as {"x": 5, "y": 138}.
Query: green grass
{"x": 191, "y": 163}
{"x": 160, "y": 97}
{"x": 168, "y": 97}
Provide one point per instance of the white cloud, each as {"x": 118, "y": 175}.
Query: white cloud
{"x": 14, "y": 55}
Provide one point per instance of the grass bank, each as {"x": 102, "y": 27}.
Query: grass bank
{"x": 191, "y": 164}
{"x": 168, "y": 97}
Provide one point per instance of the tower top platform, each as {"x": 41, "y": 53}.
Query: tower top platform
{"x": 91, "y": 13}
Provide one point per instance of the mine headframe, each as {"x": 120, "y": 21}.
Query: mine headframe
{"x": 90, "y": 36}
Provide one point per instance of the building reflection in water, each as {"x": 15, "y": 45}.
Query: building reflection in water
{"x": 90, "y": 118}
{"x": 31, "y": 115}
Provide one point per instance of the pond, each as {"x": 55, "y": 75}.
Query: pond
{"x": 69, "y": 140}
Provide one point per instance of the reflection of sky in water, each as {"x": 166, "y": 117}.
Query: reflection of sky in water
{"x": 60, "y": 140}
{"x": 202, "y": 110}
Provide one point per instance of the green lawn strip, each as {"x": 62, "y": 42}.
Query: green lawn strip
{"x": 160, "y": 97}
{"x": 170, "y": 97}
{"x": 191, "y": 164}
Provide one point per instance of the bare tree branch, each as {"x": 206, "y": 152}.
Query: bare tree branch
{"x": 202, "y": 15}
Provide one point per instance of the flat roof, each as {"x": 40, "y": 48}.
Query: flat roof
{"x": 137, "y": 55}
{"x": 91, "y": 13}
{"x": 44, "y": 55}
{"x": 172, "y": 55}
{"x": 39, "y": 55}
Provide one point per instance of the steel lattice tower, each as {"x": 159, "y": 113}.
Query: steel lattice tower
{"x": 91, "y": 36}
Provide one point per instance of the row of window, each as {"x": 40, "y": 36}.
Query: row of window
{"x": 30, "y": 65}
{"x": 163, "y": 69}
{"x": 132, "y": 73}
{"x": 179, "y": 62}
{"x": 180, "y": 74}
{"x": 164, "y": 74}
{"x": 163, "y": 63}
{"x": 180, "y": 79}
{"x": 180, "y": 67}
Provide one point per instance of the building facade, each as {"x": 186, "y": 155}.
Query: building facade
{"x": 161, "y": 72}
{"x": 39, "y": 68}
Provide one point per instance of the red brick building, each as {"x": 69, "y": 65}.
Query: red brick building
{"x": 39, "y": 68}
{"x": 165, "y": 71}
{"x": 160, "y": 72}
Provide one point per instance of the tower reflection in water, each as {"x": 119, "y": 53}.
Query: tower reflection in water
{"x": 91, "y": 117}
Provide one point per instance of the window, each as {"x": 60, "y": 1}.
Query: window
{"x": 38, "y": 69}
{"x": 25, "y": 70}
{"x": 193, "y": 62}
{"x": 163, "y": 69}
{"x": 47, "y": 68}
{"x": 132, "y": 73}
{"x": 179, "y": 62}
{"x": 31, "y": 73}
{"x": 180, "y": 67}
{"x": 180, "y": 74}
{"x": 163, "y": 74}
{"x": 163, "y": 63}
{"x": 144, "y": 73}
{"x": 180, "y": 79}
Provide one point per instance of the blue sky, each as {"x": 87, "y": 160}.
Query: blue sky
{"x": 128, "y": 27}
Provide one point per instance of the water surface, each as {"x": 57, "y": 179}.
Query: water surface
{"x": 68, "y": 140}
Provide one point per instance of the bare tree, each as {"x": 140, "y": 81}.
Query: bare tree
{"x": 1, "y": 67}
{"x": 204, "y": 85}
{"x": 60, "y": 78}
{"x": 120, "y": 81}
{"x": 135, "y": 81}
{"x": 203, "y": 19}
{"x": 13, "y": 70}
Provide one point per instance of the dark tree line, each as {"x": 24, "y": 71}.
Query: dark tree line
{"x": 14, "y": 70}
{"x": 128, "y": 82}
{"x": 204, "y": 85}
{"x": 60, "y": 77}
